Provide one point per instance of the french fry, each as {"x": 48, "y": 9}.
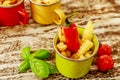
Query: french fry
{"x": 68, "y": 53}
{"x": 86, "y": 46}
{"x": 0, "y": 3}
{"x": 75, "y": 56}
{"x": 52, "y": 1}
{"x": 2, "y": 0}
{"x": 7, "y": 2}
{"x": 13, "y": 1}
{"x": 64, "y": 53}
{"x": 82, "y": 57}
{"x": 38, "y": 1}
{"x": 44, "y": 1}
{"x": 61, "y": 36}
{"x": 88, "y": 54}
{"x": 61, "y": 46}
{"x": 88, "y": 32}
{"x": 18, "y": 0}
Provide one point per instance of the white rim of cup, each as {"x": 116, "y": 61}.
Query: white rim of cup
{"x": 44, "y": 4}
{"x": 9, "y": 6}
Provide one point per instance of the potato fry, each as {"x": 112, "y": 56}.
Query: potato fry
{"x": 0, "y": 3}
{"x": 7, "y": 2}
{"x": 68, "y": 53}
{"x": 38, "y": 1}
{"x": 82, "y": 57}
{"x": 88, "y": 54}
{"x": 75, "y": 56}
{"x": 86, "y": 46}
{"x": 61, "y": 36}
{"x": 2, "y": 0}
{"x": 13, "y": 1}
{"x": 64, "y": 53}
{"x": 61, "y": 46}
{"x": 52, "y": 1}
{"x": 88, "y": 32}
{"x": 18, "y": 0}
{"x": 44, "y": 1}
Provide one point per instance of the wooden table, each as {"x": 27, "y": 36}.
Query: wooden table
{"x": 105, "y": 15}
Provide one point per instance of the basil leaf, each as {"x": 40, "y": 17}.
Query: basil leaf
{"x": 25, "y": 52}
{"x": 52, "y": 68}
{"x": 41, "y": 54}
{"x": 39, "y": 67}
{"x": 24, "y": 66}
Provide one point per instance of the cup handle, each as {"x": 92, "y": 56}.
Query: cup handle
{"x": 25, "y": 17}
{"x": 61, "y": 16}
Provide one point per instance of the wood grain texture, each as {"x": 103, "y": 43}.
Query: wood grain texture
{"x": 105, "y": 15}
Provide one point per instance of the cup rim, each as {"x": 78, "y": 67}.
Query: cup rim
{"x": 9, "y": 6}
{"x": 44, "y": 4}
{"x": 75, "y": 60}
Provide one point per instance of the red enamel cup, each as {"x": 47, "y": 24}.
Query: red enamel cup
{"x": 13, "y": 14}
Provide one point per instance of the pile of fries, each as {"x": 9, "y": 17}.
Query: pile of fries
{"x": 85, "y": 49}
{"x": 45, "y": 1}
{"x": 8, "y": 2}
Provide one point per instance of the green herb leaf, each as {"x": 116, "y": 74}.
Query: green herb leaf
{"x": 25, "y": 52}
{"x": 24, "y": 66}
{"x": 39, "y": 67}
{"x": 52, "y": 68}
{"x": 41, "y": 54}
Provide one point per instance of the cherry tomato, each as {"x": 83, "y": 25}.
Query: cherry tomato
{"x": 105, "y": 62}
{"x": 104, "y": 49}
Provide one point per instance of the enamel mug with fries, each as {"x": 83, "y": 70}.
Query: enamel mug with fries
{"x": 74, "y": 68}
{"x": 46, "y": 12}
{"x": 12, "y": 12}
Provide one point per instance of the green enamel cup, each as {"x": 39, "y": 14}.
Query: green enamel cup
{"x": 72, "y": 68}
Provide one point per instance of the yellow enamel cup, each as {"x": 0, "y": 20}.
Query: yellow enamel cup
{"x": 45, "y": 14}
{"x": 72, "y": 68}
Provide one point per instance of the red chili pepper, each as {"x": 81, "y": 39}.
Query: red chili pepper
{"x": 71, "y": 36}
